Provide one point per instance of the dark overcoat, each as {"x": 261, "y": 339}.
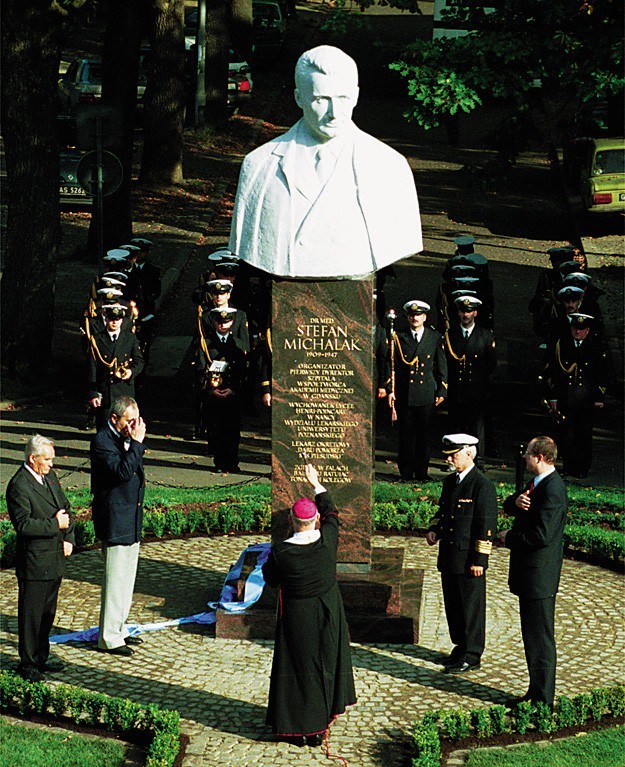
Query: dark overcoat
{"x": 311, "y": 675}
{"x": 470, "y": 363}
{"x": 420, "y": 369}
{"x": 102, "y": 351}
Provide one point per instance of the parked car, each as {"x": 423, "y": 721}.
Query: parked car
{"x": 82, "y": 83}
{"x": 602, "y": 178}
{"x": 589, "y": 121}
{"x": 70, "y": 191}
{"x": 269, "y": 27}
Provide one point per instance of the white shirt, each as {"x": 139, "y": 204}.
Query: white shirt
{"x": 464, "y": 473}
{"x": 539, "y": 477}
{"x": 38, "y": 477}
{"x": 466, "y": 332}
{"x": 418, "y": 334}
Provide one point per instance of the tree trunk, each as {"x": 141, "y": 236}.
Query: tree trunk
{"x": 164, "y": 100}
{"x": 241, "y": 27}
{"x": 217, "y": 47}
{"x": 30, "y": 64}
{"x": 126, "y": 22}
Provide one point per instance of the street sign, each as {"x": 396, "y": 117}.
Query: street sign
{"x": 87, "y": 172}
{"x": 98, "y": 119}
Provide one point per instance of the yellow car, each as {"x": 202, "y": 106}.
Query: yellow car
{"x": 602, "y": 181}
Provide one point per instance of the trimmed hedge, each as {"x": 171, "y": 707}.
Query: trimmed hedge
{"x": 95, "y": 709}
{"x": 396, "y": 508}
{"x": 491, "y": 721}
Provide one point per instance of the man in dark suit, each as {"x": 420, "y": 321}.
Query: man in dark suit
{"x": 463, "y": 526}
{"x": 577, "y": 373}
{"x": 144, "y": 287}
{"x": 417, "y": 385}
{"x": 115, "y": 360}
{"x": 118, "y": 485}
{"x": 40, "y": 515}
{"x": 535, "y": 543}
{"x": 471, "y": 361}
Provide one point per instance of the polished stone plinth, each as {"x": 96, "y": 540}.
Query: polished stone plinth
{"x": 322, "y": 402}
{"x": 382, "y": 604}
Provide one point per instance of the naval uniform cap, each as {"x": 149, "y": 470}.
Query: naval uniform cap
{"x": 121, "y": 276}
{"x": 110, "y": 282}
{"x": 579, "y": 320}
{"x": 464, "y": 268}
{"x": 219, "y": 286}
{"x": 221, "y": 254}
{"x": 580, "y": 279}
{"x": 223, "y": 313}
{"x": 477, "y": 259}
{"x": 561, "y": 253}
{"x": 228, "y": 268}
{"x": 464, "y": 243}
{"x": 108, "y": 294}
{"x": 467, "y": 279}
{"x": 463, "y": 292}
{"x": 114, "y": 311}
{"x": 142, "y": 243}
{"x": 570, "y": 291}
{"x": 416, "y": 307}
{"x": 117, "y": 254}
{"x": 452, "y": 443}
{"x": 132, "y": 249}
{"x": 568, "y": 267}
{"x": 470, "y": 303}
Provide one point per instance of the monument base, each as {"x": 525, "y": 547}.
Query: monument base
{"x": 382, "y": 605}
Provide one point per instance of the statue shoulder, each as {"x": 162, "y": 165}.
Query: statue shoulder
{"x": 279, "y": 144}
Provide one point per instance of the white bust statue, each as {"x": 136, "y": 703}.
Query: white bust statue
{"x": 325, "y": 199}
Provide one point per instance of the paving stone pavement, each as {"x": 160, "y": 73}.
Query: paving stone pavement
{"x": 220, "y": 686}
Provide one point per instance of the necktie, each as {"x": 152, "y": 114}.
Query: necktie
{"x": 323, "y": 162}
{"x": 48, "y": 484}
{"x": 530, "y": 486}
{"x": 466, "y": 334}
{"x": 457, "y": 479}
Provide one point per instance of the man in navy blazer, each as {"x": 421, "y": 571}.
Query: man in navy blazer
{"x": 40, "y": 515}
{"x": 535, "y": 543}
{"x": 118, "y": 485}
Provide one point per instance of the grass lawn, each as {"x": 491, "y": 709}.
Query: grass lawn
{"x": 604, "y": 748}
{"x": 22, "y": 746}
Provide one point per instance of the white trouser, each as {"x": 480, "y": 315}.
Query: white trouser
{"x": 118, "y": 583}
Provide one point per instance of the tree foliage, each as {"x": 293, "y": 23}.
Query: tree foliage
{"x": 569, "y": 47}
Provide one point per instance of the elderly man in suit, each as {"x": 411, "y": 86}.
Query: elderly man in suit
{"x": 325, "y": 199}
{"x": 40, "y": 515}
{"x": 417, "y": 385}
{"x": 118, "y": 485}
{"x": 535, "y": 543}
{"x": 115, "y": 361}
{"x": 463, "y": 528}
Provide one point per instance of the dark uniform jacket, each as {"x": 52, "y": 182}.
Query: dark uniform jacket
{"x": 231, "y": 352}
{"x": 420, "y": 369}
{"x": 577, "y": 377}
{"x": 535, "y": 540}
{"x": 102, "y": 352}
{"x": 239, "y": 329}
{"x": 466, "y": 522}
{"x": 32, "y": 508}
{"x": 118, "y": 485}
{"x": 470, "y": 363}
{"x": 144, "y": 287}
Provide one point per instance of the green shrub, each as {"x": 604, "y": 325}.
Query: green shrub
{"x": 543, "y": 718}
{"x": 498, "y": 719}
{"x": 598, "y": 703}
{"x": 523, "y": 716}
{"x": 154, "y": 522}
{"x": 456, "y": 724}
{"x": 84, "y": 533}
{"x": 175, "y": 521}
{"x": 566, "y": 712}
{"x": 194, "y": 520}
{"x": 616, "y": 700}
{"x": 427, "y": 745}
{"x": 581, "y": 707}
{"x": 482, "y": 722}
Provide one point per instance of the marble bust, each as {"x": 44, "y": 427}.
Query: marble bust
{"x": 325, "y": 199}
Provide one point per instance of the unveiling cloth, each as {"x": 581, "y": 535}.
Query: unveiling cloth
{"x": 312, "y": 680}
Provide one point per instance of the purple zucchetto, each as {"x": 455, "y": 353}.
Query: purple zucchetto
{"x": 304, "y": 509}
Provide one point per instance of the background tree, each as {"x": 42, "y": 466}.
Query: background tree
{"x": 216, "y": 74}
{"x": 164, "y": 98}
{"x": 241, "y": 27}
{"x": 31, "y": 33}
{"x": 572, "y": 50}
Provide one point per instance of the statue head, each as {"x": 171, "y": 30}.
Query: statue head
{"x": 326, "y": 90}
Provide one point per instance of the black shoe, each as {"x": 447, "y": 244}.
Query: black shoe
{"x": 52, "y": 666}
{"x": 461, "y": 667}
{"x": 31, "y": 674}
{"x": 133, "y": 640}
{"x": 314, "y": 740}
{"x": 514, "y": 701}
{"x": 294, "y": 740}
{"x": 121, "y": 650}
{"x": 450, "y": 660}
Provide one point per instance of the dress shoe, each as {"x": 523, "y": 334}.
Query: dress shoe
{"x": 461, "y": 667}
{"x": 133, "y": 640}
{"x": 314, "y": 740}
{"x": 52, "y": 666}
{"x": 121, "y": 650}
{"x": 449, "y": 660}
{"x": 31, "y": 674}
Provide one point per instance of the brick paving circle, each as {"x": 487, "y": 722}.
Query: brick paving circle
{"x": 220, "y": 686}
